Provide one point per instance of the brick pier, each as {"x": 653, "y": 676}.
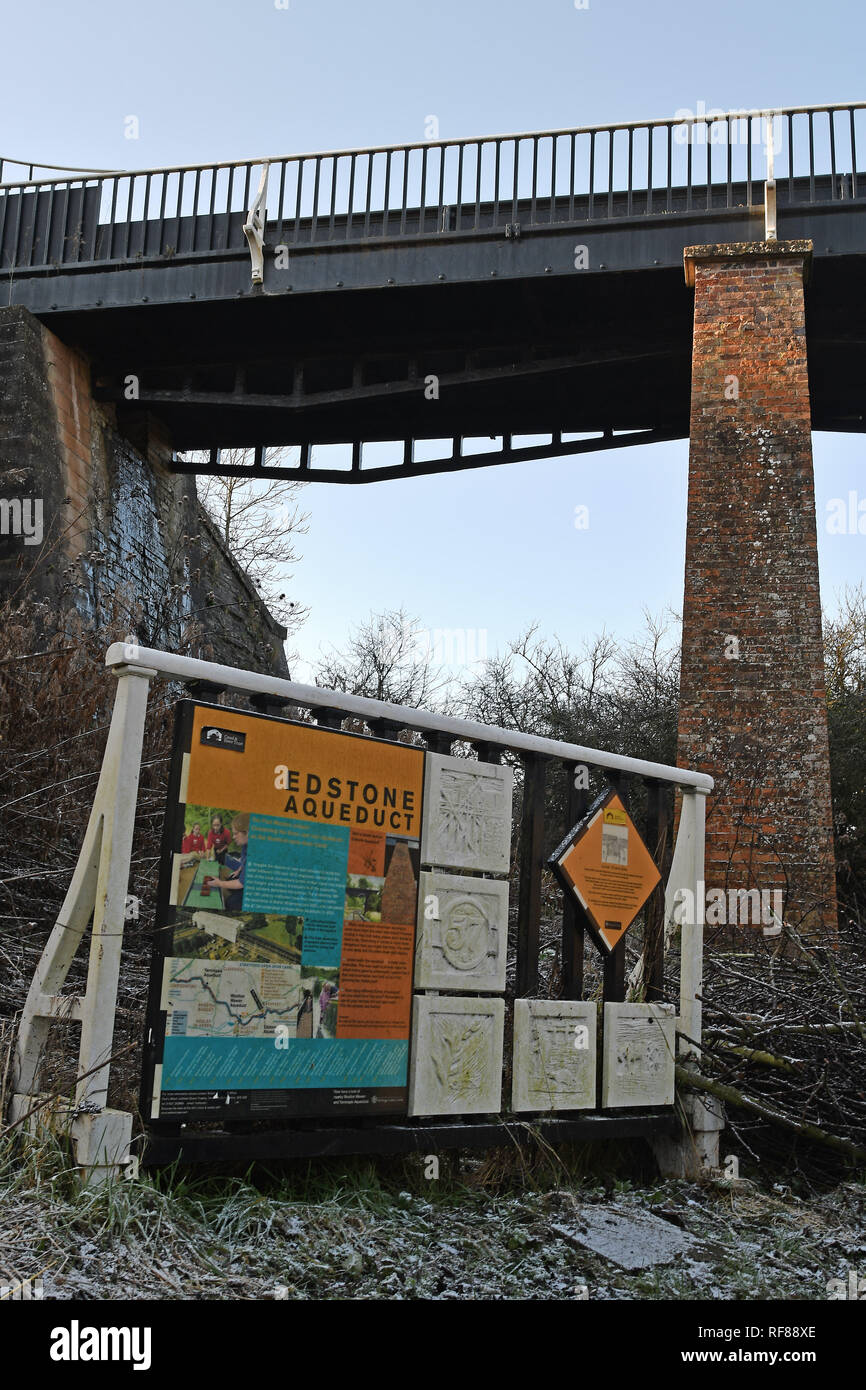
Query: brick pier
{"x": 752, "y": 709}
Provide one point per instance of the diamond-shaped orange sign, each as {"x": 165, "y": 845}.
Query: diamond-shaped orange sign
{"x": 607, "y": 867}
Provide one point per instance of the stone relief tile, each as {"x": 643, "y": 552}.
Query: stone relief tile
{"x": 456, "y": 1061}
{"x": 462, "y": 933}
{"x": 467, "y": 815}
{"x": 638, "y": 1055}
{"x": 554, "y": 1061}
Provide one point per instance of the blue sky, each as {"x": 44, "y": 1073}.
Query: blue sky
{"x": 494, "y": 549}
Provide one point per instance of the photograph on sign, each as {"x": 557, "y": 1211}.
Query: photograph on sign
{"x": 282, "y": 974}
{"x": 605, "y": 866}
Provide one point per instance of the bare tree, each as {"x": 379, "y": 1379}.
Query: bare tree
{"x": 385, "y": 660}
{"x": 845, "y": 646}
{"x": 617, "y": 696}
{"x": 259, "y": 520}
{"x": 845, "y": 668}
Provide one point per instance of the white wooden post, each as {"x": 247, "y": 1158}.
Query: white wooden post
{"x": 98, "y": 891}
{"x": 685, "y": 900}
{"x": 692, "y": 830}
{"x": 770, "y": 184}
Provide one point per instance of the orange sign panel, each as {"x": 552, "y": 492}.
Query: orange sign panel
{"x": 279, "y": 768}
{"x": 289, "y": 892}
{"x": 605, "y": 864}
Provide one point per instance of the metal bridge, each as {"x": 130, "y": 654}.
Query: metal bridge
{"x": 448, "y": 304}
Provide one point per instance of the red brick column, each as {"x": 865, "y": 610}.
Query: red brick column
{"x": 400, "y": 888}
{"x": 752, "y": 701}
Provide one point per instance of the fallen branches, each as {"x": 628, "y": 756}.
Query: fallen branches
{"x": 784, "y": 1043}
{"x": 730, "y": 1096}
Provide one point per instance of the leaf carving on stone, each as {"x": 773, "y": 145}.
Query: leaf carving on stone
{"x": 460, "y": 1055}
{"x": 461, "y": 813}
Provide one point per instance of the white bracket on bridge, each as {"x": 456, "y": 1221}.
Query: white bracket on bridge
{"x": 770, "y": 185}
{"x": 97, "y": 902}
{"x": 254, "y": 229}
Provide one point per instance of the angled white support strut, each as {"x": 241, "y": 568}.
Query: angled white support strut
{"x": 98, "y": 890}
{"x": 254, "y": 228}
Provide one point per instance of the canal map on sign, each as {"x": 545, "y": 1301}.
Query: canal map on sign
{"x": 228, "y": 999}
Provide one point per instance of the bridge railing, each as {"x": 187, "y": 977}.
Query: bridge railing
{"x": 709, "y": 162}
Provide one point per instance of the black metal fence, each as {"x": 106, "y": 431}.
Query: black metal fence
{"x": 506, "y": 184}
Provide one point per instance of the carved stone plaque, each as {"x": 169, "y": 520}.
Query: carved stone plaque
{"x": 554, "y": 1055}
{"x": 638, "y": 1055}
{"x": 462, "y": 933}
{"x": 456, "y": 1064}
{"x": 467, "y": 815}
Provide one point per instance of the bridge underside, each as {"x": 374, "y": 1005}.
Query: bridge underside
{"x": 339, "y": 346}
{"x": 600, "y": 353}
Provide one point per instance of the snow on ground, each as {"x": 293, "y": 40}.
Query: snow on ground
{"x": 352, "y": 1232}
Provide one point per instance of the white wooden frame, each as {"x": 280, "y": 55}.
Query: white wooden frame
{"x": 96, "y": 900}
